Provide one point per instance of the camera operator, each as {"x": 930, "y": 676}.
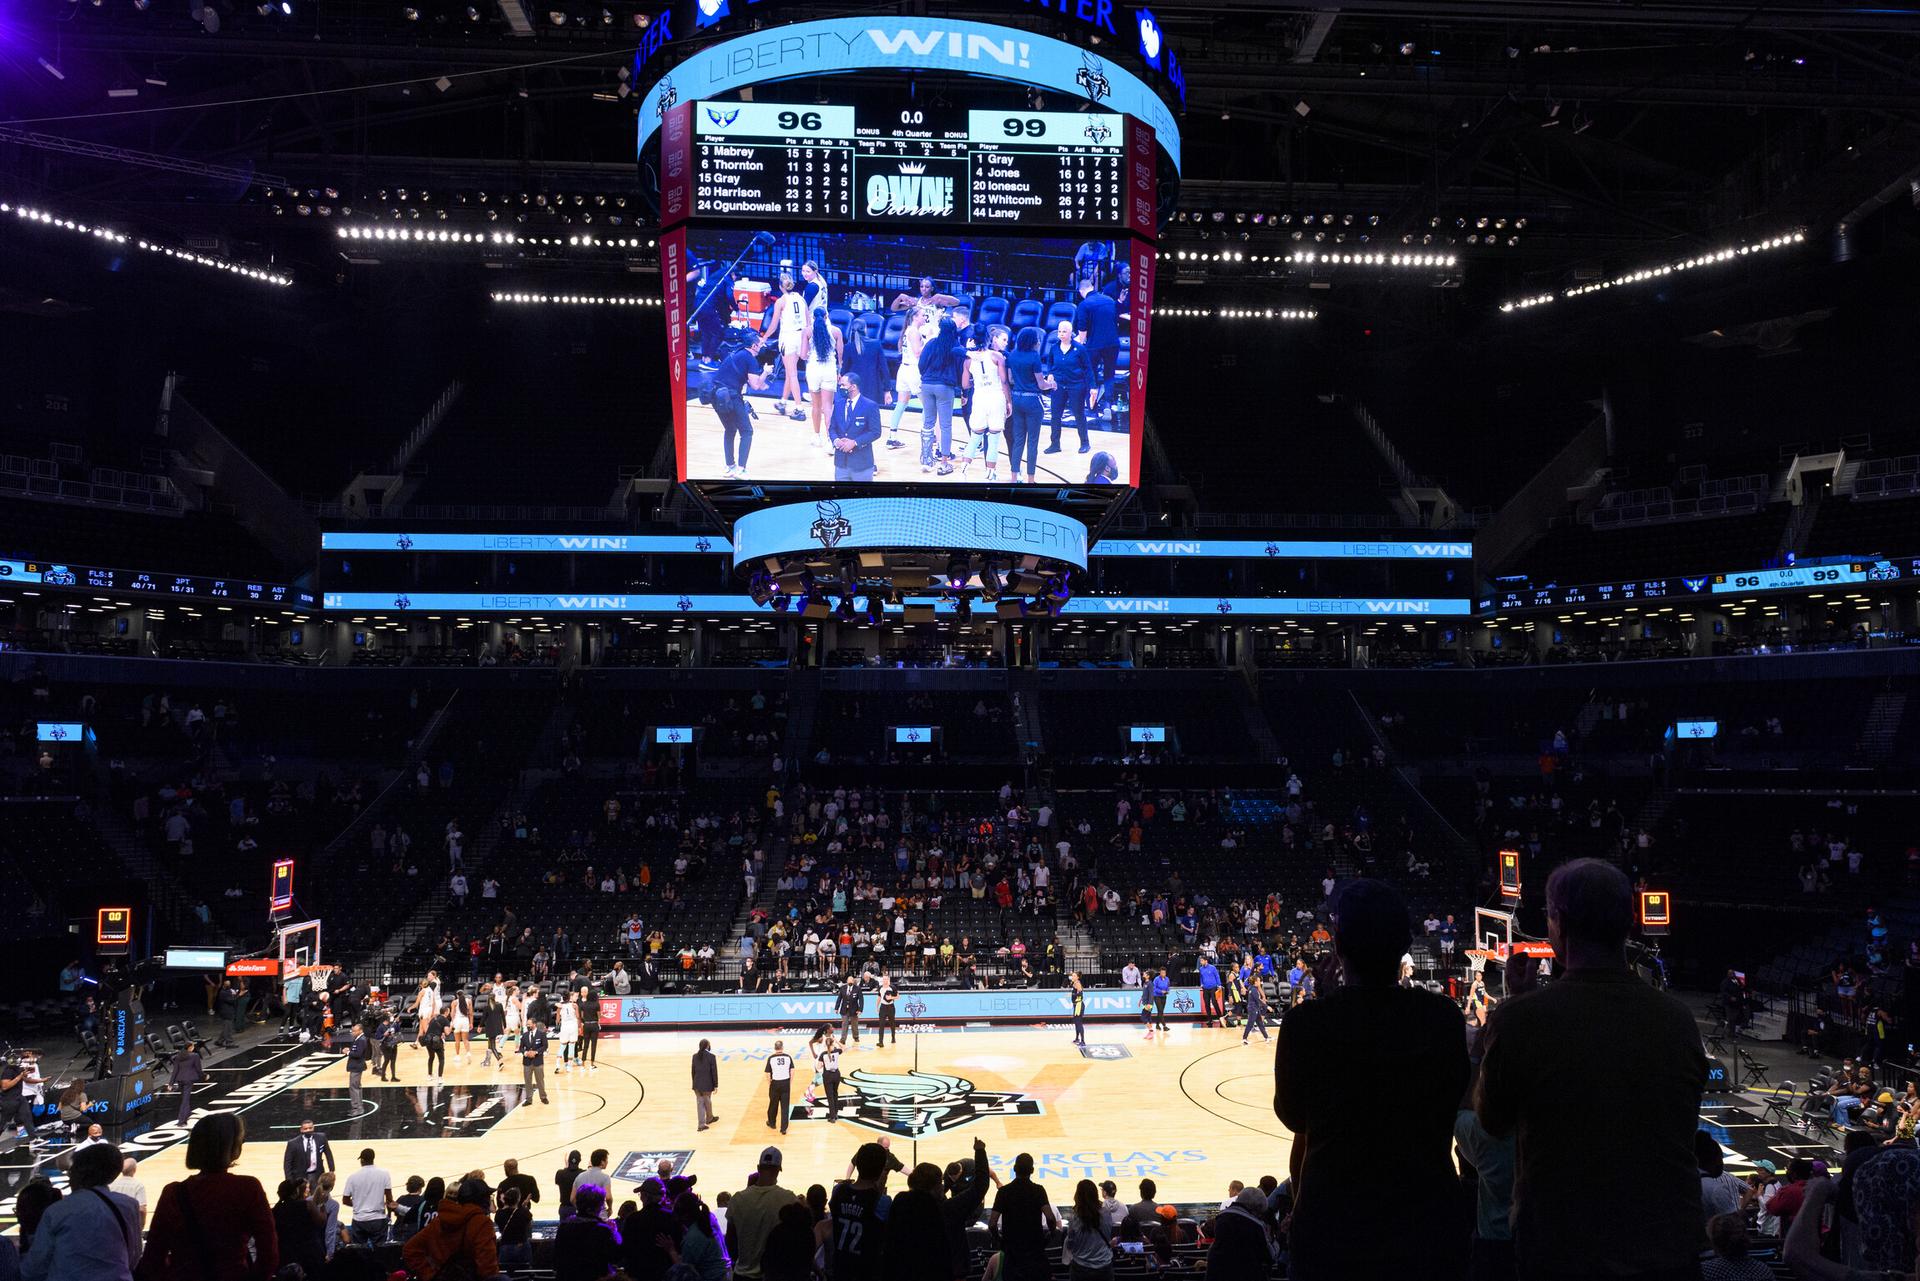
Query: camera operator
{"x": 741, "y": 369}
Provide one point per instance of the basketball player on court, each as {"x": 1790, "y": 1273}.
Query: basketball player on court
{"x": 889, "y": 1018}
{"x": 787, "y": 319}
{"x": 779, "y": 1085}
{"x": 1079, "y": 1009}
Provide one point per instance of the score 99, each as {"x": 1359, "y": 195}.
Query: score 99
{"x": 1024, "y": 127}
{"x": 799, "y": 120}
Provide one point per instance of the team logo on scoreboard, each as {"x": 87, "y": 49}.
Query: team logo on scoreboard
{"x": 668, "y": 97}
{"x": 1092, "y": 77}
{"x": 830, "y": 524}
{"x": 684, "y": 604}
{"x": 910, "y": 192}
{"x": 722, "y": 118}
{"x": 1097, "y": 132}
{"x": 403, "y": 542}
{"x": 918, "y": 1104}
{"x": 1694, "y": 584}
{"x": 402, "y": 602}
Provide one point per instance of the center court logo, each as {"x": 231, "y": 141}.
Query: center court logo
{"x": 919, "y": 1104}
{"x": 830, "y": 524}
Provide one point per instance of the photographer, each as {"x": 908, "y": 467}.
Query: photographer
{"x": 740, "y": 370}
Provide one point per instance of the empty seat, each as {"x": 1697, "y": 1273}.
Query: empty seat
{"x": 993, "y": 311}
{"x": 1058, "y": 312}
{"x": 1027, "y": 311}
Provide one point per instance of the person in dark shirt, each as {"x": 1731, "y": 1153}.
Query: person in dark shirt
{"x": 586, "y": 1247}
{"x": 941, "y": 362}
{"x": 738, "y": 371}
{"x": 916, "y": 1218}
{"x": 1023, "y": 1216}
{"x": 1336, "y": 1060}
{"x": 514, "y": 1222}
{"x": 857, "y": 1240}
{"x": 564, "y": 1176}
{"x": 1634, "y": 1055}
{"x": 1068, "y": 372}
{"x": 300, "y": 1227}
{"x": 966, "y": 1183}
{"x": 1024, "y": 411}
{"x": 642, "y": 1258}
{"x": 526, "y": 1184}
{"x": 788, "y": 1255}
{"x": 1095, "y": 323}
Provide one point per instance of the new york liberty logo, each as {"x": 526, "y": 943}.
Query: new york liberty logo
{"x": 402, "y": 602}
{"x": 668, "y": 96}
{"x": 703, "y": 544}
{"x": 1092, "y": 77}
{"x": 830, "y": 525}
{"x": 684, "y": 604}
{"x": 403, "y": 542}
{"x": 918, "y": 1104}
{"x": 1224, "y": 605}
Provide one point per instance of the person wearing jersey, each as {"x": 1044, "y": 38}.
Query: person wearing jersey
{"x": 815, "y": 1044}
{"x": 1079, "y": 1009}
{"x": 1256, "y": 1011}
{"x": 787, "y": 320}
{"x": 830, "y": 1076}
{"x": 857, "y": 1211}
{"x": 889, "y": 1017}
{"x": 779, "y": 1086}
{"x": 1160, "y": 987}
{"x": 1146, "y": 1008}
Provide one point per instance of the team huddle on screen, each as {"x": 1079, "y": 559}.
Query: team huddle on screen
{"x": 963, "y": 377}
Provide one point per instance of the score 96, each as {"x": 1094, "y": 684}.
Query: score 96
{"x": 794, "y": 121}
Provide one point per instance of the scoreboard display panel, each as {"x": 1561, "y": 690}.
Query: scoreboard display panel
{"x": 948, "y": 335}
{"x": 778, "y": 161}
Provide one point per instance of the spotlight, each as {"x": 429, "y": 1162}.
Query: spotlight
{"x": 957, "y": 572}
{"x": 876, "y": 610}
{"x": 410, "y": 13}
{"x": 760, "y": 589}
{"x": 781, "y": 602}
{"x": 844, "y": 611}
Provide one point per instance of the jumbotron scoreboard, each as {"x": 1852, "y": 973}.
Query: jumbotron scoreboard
{"x": 757, "y": 161}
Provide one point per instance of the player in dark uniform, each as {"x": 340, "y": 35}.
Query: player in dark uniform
{"x": 857, "y": 1242}
{"x": 737, "y": 372}
{"x": 830, "y": 1077}
{"x": 889, "y": 1018}
{"x": 1079, "y": 1009}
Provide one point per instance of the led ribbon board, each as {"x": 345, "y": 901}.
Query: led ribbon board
{"x": 836, "y": 46}
{"x": 905, "y": 524}
{"x": 686, "y": 544}
{"x": 691, "y": 606}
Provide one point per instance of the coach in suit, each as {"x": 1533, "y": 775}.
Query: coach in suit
{"x": 706, "y": 1079}
{"x": 533, "y": 1061}
{"x": 359, "y": 1053}
{"x": 855, "y": 426}
{"x": 308, "y": 1154}
{"x": 185, "y": 1072}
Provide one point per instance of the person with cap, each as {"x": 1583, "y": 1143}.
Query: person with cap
{"x": 1021, "y": 1219}
{"x": 856, "y": 1241}
{"x": 459, "y": 1241}
{"x": 967, "y": 1181}
{"x": 779, "y": 1086}
{"x": 586, "y": 1247}
{"x": 641, "y": 1255}
{"x": 706, "y": 1079}
{"x": 1373, "y": 1038}
{"x": 752, "y": 1213}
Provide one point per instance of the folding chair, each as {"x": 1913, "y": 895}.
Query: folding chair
{"x": 1754, "y": 1072}
{"x": 1780, "y": 1103}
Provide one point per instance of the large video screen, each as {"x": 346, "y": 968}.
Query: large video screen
{"x": 893, "y": 359}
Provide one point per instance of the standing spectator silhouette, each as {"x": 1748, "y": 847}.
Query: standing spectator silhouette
{"x": 213, "y": 1225}
{"x": 1371, "y": 1039}
{"x": 1634, "y": 1056}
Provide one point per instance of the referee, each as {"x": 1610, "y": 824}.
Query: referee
{"x": 779, "y": 1085}
{"x": 830, "y": 1076}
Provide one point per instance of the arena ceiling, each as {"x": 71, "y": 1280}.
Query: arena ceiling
{"x": 1584, "y": 132}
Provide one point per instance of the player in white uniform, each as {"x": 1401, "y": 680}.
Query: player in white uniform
{"x": 788, "y": 319}
{"x": 824, "y": 346}
{"x": 923, "y": 324}
{"x": 569, "y": 1033}
{"x": 986, "y": 377}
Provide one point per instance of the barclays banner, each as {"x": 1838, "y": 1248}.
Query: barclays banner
{"x": 693, "y": 544}
{"x": 870, "y": 524}
{"x": 1050, "y": 1005}
{"x": 889, "y": 43}
{"x": 1281, "y": 549}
